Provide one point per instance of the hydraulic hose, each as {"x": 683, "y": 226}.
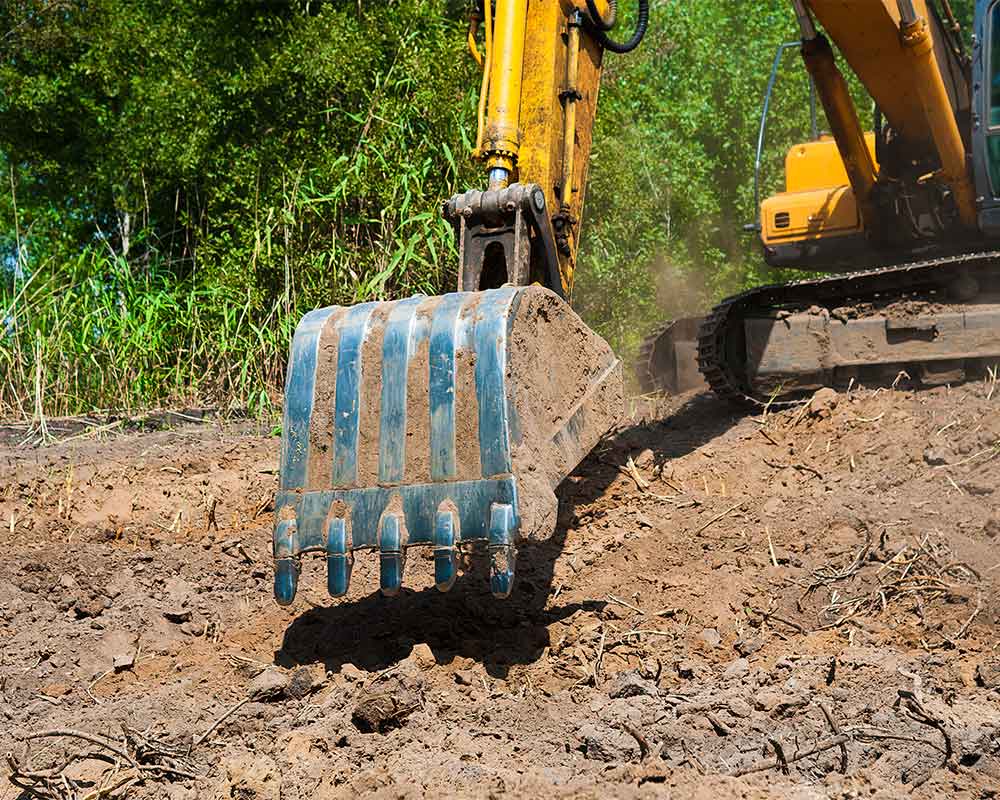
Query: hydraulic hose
{"x": 601, "y": 26}
{"x": 600, "y": 22}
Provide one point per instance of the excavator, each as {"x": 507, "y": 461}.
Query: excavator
{"x": 447, "y": 421}
{"x": 903, "y": 219}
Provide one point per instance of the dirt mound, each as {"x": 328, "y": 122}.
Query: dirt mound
{"x": 797, "y": 605}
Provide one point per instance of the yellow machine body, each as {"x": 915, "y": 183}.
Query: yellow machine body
{"x": 818, "y": 201}
{"x": 835, "y": 213}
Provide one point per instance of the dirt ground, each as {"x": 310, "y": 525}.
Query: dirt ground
{"x": 798, "y": 605}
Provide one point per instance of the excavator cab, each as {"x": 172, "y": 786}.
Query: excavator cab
{"x": 986, "y": 99}
{"x": 448, "y": 421}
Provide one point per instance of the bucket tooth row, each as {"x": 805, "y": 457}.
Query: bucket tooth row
{"x": 434, "y": 421}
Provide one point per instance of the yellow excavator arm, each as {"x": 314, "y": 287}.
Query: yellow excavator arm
{"x": 541, "y": 74}
{"x": 448, "y": 421}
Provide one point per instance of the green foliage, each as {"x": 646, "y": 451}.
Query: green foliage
{"x": 233, "y": 163}
{"x": 295, "y": 147}
{"x": 94, "y": 328}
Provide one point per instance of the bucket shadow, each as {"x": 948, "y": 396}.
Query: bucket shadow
{"x": 376, "y": 633}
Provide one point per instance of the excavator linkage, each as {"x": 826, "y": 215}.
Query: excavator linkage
{"x": 435, "y": 421}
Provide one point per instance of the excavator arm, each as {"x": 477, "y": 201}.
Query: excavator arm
{"x": 447, "y": 421}
{"x": 541, "y": 74}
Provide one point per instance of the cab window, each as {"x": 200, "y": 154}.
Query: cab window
{"x": 993, "y": 136}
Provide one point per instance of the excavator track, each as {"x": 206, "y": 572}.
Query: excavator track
{"x": 645, "y": 370}
{"x": 666, "y": 361}
{"x": 720, "y": 367}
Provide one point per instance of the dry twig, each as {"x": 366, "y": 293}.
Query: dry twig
{"x": 782, "y": 761}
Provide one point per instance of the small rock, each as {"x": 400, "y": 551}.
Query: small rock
{"x": 193, "y": 628}
{"x": 711, "y": 637}
{"x": 305, "y": 680}
{"x": 177, "y": 615}
{"x": 600, "y": 743}
{"x": 935, "y": 456}
{"x": 115, "y": 587}
{"x": 385, "y": 707}
{"x": 56, "y": 690}
{"x": 645, "y": 459}
{"x": 423, "y": 656}
{"x": 686, "y": 669}
{"x": 268, "y": 685}
{"x": 746, "y": 647}
{"x": 631, "y": 684}
{"x": 352, "y": 673}
{"x": 988, "y": 673}
{"x": 778, "y": 702}
{"x": 979, "y": 488}
{"x": 739, "y": 708}
{"x": 465, "y": 677}
{"x": 737, "y": 668}
{"x": 823, "y": 402}
{"x": 767, "y": 700}
{"x": 123, "y": 661}
{"x": 93, "y": 607}
{"x": 992, "y": 527}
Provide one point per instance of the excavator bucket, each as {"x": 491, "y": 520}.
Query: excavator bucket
{"x": 435, "y": 421}
{"x": 668, "y": 358}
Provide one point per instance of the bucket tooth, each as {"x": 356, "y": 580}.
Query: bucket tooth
{"x": 339, "y": 558}
{"x": 445, "y": 551}
{"x": 286, "y": 580}
{"x": 286, "y": 562}
{"x": 501, "y": 548}
{"x": 438, "y": 422}
{"x": 392, "y": 553}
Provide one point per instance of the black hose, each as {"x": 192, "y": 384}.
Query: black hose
{"x": 601, "y": 27}
{"x": 599, "y": 22}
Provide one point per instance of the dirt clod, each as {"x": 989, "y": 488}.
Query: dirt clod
{"x": 304, "y": 681}
{"x": 823, "y": 402}
{"x": 631, "y": 684}
{"x": 268, "y": 685}
{"x": 988, "y": 673}
{"x": 386, "y": 707}
{"x": 603, "y": 743}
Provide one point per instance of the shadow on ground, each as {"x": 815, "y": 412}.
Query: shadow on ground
{"x": 375, "y": 633}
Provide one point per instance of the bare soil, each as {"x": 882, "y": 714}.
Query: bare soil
{"x": 798, "y": 605}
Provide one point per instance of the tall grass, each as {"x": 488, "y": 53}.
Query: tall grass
{"x": 99, "y": 330}
{"x": 100, "y": 333}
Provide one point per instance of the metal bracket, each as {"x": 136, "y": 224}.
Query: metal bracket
{"x": 502, "y": 233}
